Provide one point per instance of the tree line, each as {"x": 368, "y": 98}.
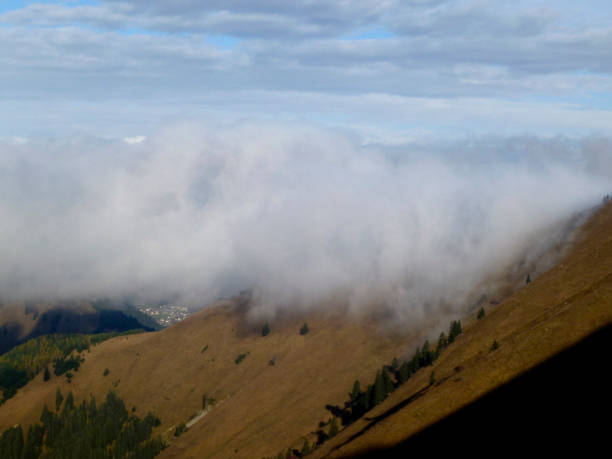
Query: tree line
{"x": 387, "y": 379}
{"x": 85, "y": 430}
{"x": 24, "y": 362}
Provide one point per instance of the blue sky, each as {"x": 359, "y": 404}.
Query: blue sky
{"x": 390, "y": 71}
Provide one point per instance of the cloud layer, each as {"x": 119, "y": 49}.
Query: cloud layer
{"x": 325, "y": 60}
{"x": 296, "y": 212}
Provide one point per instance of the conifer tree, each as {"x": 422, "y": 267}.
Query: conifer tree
{"x": 333, "y": 428}
{"x": 404, "y": 373}
{"x": 59, "y": 398}
{"x": 304, "y": 329}
{"x": 426, "y": 355}
{"x": 441, "y": 343}
{"x": 387, "y": 382}
{"x": 416, "y": 360}
{"x": 367, "y": 399}
{"x": 379, "y": 392}
{"x": 33, "y": 444}
{"x": 481, "y": 313}
{"x": 455, "y": 330}
{"x": 47, "y": 374}
{"x": 305, "y": 448}
{"x": 356, "y": 392}
{"x": 528, "y": 280}
{"x": 265, "y": 330}
{"x": 69, "y": 403}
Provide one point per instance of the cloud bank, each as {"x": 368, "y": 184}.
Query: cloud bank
{"x": 123, "y": 67}
{"x": 295, "y": 212}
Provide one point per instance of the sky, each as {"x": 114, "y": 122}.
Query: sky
{"x": 396, "y": 152}
{"x": 391, "y": 71}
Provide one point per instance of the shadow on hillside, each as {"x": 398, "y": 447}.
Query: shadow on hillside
{"x": 564, "y": 403}
{"x": 66, "y": 321}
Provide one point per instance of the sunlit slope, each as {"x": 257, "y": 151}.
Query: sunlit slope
{"x": 555, "y": 311}
{"x": 261, "y": 408}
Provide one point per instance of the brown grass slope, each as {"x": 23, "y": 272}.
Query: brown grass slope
{"x": 560, "y": 308}
{"x": 261, "y": 408}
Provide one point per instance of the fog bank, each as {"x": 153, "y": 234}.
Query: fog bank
{"x": 295, "y": 213}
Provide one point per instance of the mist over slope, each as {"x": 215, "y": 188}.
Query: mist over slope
{"x": 296, "y": 213}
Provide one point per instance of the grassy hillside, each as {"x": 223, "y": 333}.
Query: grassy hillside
{"x": 554, "y": 312}
{"x": 267, "y": 393}
{"x": 260, "y": 407}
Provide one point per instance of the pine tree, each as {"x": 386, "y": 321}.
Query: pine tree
{"x": 426, "y": 355}
{"x": 528, "y": 280}
{"x": 404, "y": 373}
{"x": 416, "y": 360}
{"x": 378, "y": 392}
{"x": 441, "y": 343}
{"x": 455, "y": 330}
{"x": 387, "y": 382}
{"x": 69, "y": 403}
{"x": 494, "y": 346}
{"x": 356, "y": 392}
{"x": 481, "y": 313}
{"x": 304, "y": 329}
{"x": 59, "y": 398}
{"x": 47, "y": 374}
{"x": 333, "y": 428}
{"x": 305, "y": 448}
{"x": 367, "y": 398}
{"x": 265, "y": 330}
{"x": 33, "y": 443}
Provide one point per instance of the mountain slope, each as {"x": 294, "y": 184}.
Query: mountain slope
{"x": 560, "y": 308}
{"x": 22, "y": 321}
{"x": 262, "y": 408}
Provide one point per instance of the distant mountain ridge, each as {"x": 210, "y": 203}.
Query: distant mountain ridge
{"x": 21, "y": 322}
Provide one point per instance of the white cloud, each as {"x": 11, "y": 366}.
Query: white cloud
{"x": 135, "y": 139}
{"x": 297, "y": 212}
{"x": 487, "y": 64}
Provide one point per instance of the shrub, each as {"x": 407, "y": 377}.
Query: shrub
{"x": 265, "y": 330}
{"x": 494, "y": 346}
{"x": 180, "y": 429}
{"x": 304, "y": 329}
{"x": 207, "y": 401}
{"x": 240, "y": 358}
{"x": 106, "y": 372}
